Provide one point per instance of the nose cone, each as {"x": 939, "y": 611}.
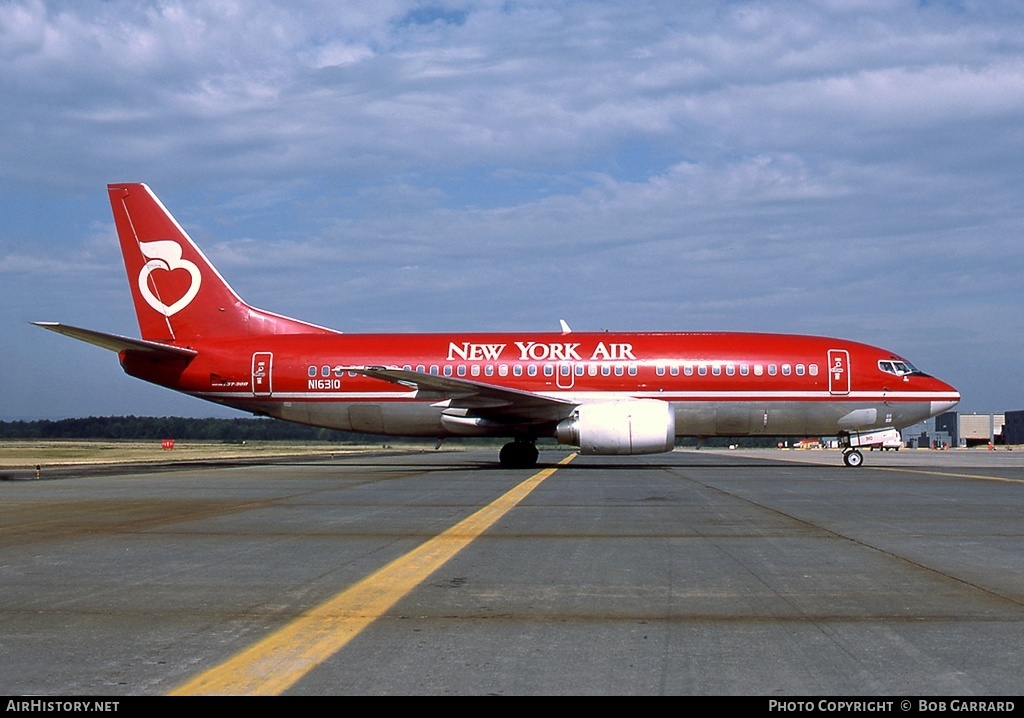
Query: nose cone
{"x": 945, "y": 397}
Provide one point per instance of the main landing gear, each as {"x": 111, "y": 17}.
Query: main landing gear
{"x": 518, "y": 454}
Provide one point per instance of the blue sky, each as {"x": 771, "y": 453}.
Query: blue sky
{"x": 841, "y": 167}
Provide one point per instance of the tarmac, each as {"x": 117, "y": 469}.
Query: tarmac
{"x": 739, "y": 573}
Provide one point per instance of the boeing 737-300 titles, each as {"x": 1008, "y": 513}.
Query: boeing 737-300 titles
{"x": 607, "y": 393}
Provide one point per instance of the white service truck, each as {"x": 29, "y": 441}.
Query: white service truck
{"x": 883, "y": 440}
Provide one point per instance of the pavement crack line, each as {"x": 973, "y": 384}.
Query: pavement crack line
{"x": 862, "y": 543}
{"x": 823, "y": 628}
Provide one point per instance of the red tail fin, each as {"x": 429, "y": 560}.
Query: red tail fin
{"x": 179, "y": 296}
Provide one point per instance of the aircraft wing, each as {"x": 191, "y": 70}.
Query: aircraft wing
{"x": 477, "y": 398}
{"x": 116, "y": 342}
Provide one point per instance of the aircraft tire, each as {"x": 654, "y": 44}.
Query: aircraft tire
{"x": 518, "y": 455}
{"x": 853, "y": 458}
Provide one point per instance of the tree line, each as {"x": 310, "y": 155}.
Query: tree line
{"x": 171, "y": 427}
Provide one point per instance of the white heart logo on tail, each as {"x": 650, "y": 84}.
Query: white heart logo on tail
{"x": 166, "y": 254}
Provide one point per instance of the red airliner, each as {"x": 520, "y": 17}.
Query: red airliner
{"x": 607, "y": 393}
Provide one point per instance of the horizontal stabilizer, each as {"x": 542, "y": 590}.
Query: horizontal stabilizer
{"x": 116, "y": 342}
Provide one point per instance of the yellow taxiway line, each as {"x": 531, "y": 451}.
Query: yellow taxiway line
{"x": 930, "y": 472}
{"x": 278, "y": 661}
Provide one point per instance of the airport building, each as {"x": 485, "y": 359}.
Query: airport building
{"x": 1013, "y": 429}
{"x": 976, "y": 429}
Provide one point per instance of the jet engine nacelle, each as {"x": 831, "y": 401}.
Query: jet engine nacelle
{"x": 639, "y": 426}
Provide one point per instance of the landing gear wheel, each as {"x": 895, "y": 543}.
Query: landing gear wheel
{"x": 518, "y": 455}
{"x": 853, "y": 458}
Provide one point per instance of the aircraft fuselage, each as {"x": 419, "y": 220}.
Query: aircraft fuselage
{"x": 734, "y": 384}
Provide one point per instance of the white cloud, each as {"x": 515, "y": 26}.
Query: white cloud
{"x": 468, "y": 164}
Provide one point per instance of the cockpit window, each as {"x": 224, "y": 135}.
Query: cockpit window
{"x": 897, "y": 367}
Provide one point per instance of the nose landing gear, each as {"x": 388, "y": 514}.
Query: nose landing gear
{"x": 852, "y": 441}
{"x": 852, "y": 458}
